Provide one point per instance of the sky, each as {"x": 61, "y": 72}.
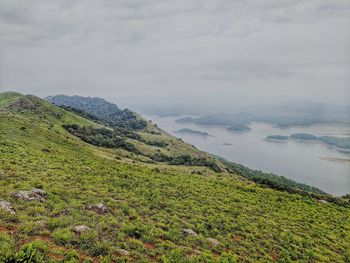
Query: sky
{"x": 178, "y": 54}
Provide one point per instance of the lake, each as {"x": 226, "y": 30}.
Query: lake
{"x": 299, "y": 161}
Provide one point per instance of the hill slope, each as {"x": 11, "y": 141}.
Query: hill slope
{"x": 148, "y": 209}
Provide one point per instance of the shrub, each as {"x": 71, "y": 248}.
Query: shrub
{"x": 34, "y": 252}
{"x": 7, "y": 248}
{"x": 71, "y": 257}
{"x": 62, "y": 236}
{"x": 100, "y": 137}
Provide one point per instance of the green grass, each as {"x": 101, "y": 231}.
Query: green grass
{"x": 149, "y": 205}
{"x": 8, "y": 97}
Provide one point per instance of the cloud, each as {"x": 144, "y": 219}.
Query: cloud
{"x": 167, "y": 49}
{"x": 38, "y": 21}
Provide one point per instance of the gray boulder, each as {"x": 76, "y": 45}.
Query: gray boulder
{"x": 322, "y": 201}
{"x": 123, "y": 252}
{"x": 213, "y": 242}
{"x": 189, "y": 232}
{"x": 81, "y": 229}
{"x": 4, "y": 205}
{"x": 32, "y": 195}
{"x": 98, "y": 208}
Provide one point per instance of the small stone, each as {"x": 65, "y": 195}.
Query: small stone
{"x": 41, "y": 223}
{"x": 81, "y": 229}
{"x": 4, "y": 205}
{"x": 123, "y": 252}
{"x": 213, "y": 242}
{"x": 189, "y": 232}
{"x": 98, "y": 208}
{"x": 322, "y": 201}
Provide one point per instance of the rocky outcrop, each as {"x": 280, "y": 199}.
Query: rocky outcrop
{"x": 98, "y": 208}
{"x": 32, "y": 195}
{"x": 6, "y": 206}
{"x": 81, "y": 229}
{"x": 189, "y": 232}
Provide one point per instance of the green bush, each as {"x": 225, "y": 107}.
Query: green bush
{"x": 62, "y": 236}
{"x": 7, "y": 248}
{"x": 34, "y": 252}
{"x": 100, "y": 137}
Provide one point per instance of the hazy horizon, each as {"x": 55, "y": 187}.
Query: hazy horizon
{"x": 178, "y": 55}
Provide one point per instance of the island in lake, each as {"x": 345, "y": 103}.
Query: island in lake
{"x": 341, "y": 143}
{"x": 239, "y": 128}
{"x": 304, "y": 137}
{"x": 192, "y": 132}
{"x": 276, "y": 138}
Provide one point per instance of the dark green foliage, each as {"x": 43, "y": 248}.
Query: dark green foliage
{"x": 101, "y": 110}
{"x": 186, "y": 160}
{"x": 154, "y": 143}
{"x": 122, "y": 130}
{"x": 191, "y": 161}
{"x": 100, "y": 137}
{"x": 159, "y": 157}
{"x": 80, "y": 112}
{"x": 272, "y": 180}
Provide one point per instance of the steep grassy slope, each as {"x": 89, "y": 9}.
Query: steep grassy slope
{"x": 149, "y": 204}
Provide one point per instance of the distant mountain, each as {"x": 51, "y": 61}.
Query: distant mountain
{"x": 101, "y": 109}
{"x": 283, "y": 115}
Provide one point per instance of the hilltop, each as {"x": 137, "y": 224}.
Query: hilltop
{"x": 76, "y": 187}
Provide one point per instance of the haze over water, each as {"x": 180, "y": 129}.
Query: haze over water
{"x": 295, "y": 160}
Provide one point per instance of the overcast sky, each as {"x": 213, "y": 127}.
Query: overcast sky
{"x": 180, "y": 52}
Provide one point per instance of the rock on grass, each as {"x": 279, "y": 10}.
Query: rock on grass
{"x": 32, "y": 195}
{"x": 81, "y": 229}
{"x": 98, "y": 208}
{"x": 4, "y": 205}
{"x": 189, "y": 232}
{"x": 213, "y": 242}
{"x": 123, "y": 252}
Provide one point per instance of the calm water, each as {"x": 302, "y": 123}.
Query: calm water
{"x": 299, "y": 161}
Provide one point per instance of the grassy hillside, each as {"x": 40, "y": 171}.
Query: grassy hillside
{"x": 149, "y": 206}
